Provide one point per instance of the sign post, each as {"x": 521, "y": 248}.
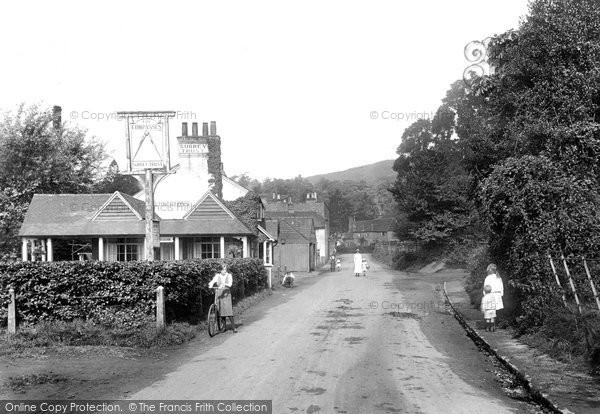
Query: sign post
{"x": 148, "y": 153}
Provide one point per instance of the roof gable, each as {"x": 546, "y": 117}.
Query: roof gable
{"x": 209, "y": 207}
{"x": 266, "y": 233}
{"x": 290, "y": 234}
{"x": 117, "y": 207}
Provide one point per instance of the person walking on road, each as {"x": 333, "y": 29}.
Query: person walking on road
{"x": 357, "y": 263}
{"x": 331, "y": 263}
{"x": 494, "y": 281}
{"x": 224, "y": 281}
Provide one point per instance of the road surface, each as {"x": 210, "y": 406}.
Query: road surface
{"x": 341, "y": 345}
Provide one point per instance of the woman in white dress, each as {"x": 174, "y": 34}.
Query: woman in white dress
{"x": 494, "y": 280}
{"x": 357, "y": 263}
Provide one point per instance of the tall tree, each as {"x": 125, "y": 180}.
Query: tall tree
{"x": 38, "y": 155}
{"x": 431, "y": 185}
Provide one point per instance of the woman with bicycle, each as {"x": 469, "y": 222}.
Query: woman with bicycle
{"x": 224, "y": 281}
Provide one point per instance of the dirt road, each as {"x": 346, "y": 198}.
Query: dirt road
{"x": 345, "y": 345}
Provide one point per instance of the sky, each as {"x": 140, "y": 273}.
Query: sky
{"x": 295, "y": 88}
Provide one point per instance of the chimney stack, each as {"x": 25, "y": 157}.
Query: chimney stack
{"x": 184, "y": 130}
{"x": 56, "y": 117}
{"x": 213, "y": 128}
{"x": 194, "y": 129}
{"x": 205, "y": 129}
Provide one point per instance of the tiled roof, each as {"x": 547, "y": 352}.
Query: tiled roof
{"x": 304, "y": 226}
{"x": 377, "y": 225}
{"x": 290, "y": 234}
{"x": 215, "y": 227}
{"x": 272, "y": 227}
{"x": 138, "y": 205}
{"x": 51, "y": 215}
{"x": 319, "y": 220}
{"x": 71, "y": 215}
{"x": 317, "y": 206}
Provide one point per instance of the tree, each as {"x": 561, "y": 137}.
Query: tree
{"x": 247, "y": 182}
{"x": 431, "y": 185}
{"x": 114, "y": 181}
{"x": 297, "y": 188}
{"x": 39, "y": 157}
{"x": 531, "y": 141}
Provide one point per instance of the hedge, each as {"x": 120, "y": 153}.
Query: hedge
{"x": 118, "y": 292}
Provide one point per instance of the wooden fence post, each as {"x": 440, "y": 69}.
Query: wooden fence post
{"x": 589, "y": 276}
{"x": 12, "y": 313}
{"x": 571, "y": 282}
{"x": 562, "y": 291}
{"x": 160, "y": 308}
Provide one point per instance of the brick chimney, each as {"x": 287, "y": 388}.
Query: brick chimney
{"x": 184, "y": 129}
{"x": 205, "y": 129}
{"x": 194, "y": 129}
{"x": 213, "y": 128}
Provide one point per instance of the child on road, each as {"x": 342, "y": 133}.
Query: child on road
{"x": 488, "y": 307}
{"x": 338, "y": 265}
{"x": 288, "y": 280}
{"x": 365, "y": 267}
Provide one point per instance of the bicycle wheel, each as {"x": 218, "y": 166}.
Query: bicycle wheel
{"x": 213, "y": 321}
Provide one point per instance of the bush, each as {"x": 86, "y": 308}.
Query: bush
{"x": 117, "y": 293}
{"x": 477, "y": 263}
{"x": 406, "y": 260}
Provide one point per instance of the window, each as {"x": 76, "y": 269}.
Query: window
{"x": 200, "y": 247}
{"x": 268, "y": 253}
{"x": 210, "y": 247}
{"x": 124, "y": 249}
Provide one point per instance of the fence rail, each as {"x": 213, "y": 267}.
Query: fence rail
{"x": 579, "y": 265}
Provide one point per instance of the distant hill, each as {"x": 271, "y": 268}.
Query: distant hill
{"x": 372, "y": 173}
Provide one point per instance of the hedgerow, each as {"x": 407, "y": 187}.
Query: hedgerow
{"x": 118, "y": 293}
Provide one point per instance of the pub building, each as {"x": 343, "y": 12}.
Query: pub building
{"x": 190, "y": 209}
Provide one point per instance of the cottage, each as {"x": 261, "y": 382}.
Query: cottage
{"x": 365, "y": 232}
{"x": 282, "y": 208}
{"x": 296, "y": 243}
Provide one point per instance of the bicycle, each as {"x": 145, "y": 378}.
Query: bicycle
{"x": 216, "y": 323}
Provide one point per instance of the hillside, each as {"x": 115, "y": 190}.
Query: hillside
{"x": 371, "y": 173}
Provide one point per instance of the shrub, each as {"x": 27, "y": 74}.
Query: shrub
{"x": 117, "y": 293}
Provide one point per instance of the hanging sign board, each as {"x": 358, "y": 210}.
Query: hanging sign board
{"x": 147, "y": 141}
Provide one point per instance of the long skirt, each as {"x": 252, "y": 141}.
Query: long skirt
{"x": 498, "y": 299}
{"x": 224, "y": 302}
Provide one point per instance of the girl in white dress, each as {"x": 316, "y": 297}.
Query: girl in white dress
{"x": 494, "y": 281}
